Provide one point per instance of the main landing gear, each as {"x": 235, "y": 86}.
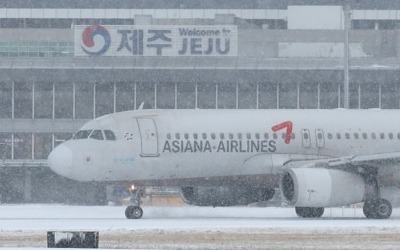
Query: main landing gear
{"x": 376, "y": 208}
{"x": 134, "y": 211}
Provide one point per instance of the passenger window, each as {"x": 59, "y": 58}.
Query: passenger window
{"x": 97, "y": 135}
{"x": 382, "y": 136}
{"x": 82, "y": 134}
{"x": 231, "y": 136}
{"x": 365, "y": 136}
{"x": 319, "y": 136}
{"x": 186, "y": 135}
{"x": 204, "y": 136}
{"x": 330, "y": 137}
{"x": 283, "y": 135}
{"x": 347, "y": 135}
{"x": 266, "y": 136}
{"x": 338, "y": 136}
{"x": 239, "y": 136}
{"x": 221, "y": 136}
{"x": 356, "y": 136}
{"x": 293, "y": 136}
{"x": 390, "y": 136}
{"x": 213, "y": 136}
{"x": 275, "y": 136}
{"x": 398, "y": 136}
{"x": 169, "y": 136}
{"x": 305, "y": 136}
{"x": 177, "y": 136}
{"x": 257, "y": 136}
{"x": 109, "y": 135}
{"x": 373, "y": 136}
{"x": 248, "y": 136}
{"x": 195, "y": 136}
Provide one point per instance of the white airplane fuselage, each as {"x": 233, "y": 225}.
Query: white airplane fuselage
{"x": 182, "y": 147}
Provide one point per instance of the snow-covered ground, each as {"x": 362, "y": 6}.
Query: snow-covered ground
{"x": 201, "y": 227}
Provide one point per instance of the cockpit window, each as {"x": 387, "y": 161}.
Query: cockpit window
{"x": 109, "y": 135}
{"x": 82, "y": 134}
{"x": 97, "y": 135}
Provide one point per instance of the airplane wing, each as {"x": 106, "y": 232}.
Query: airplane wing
{"x": 372, "y": 160}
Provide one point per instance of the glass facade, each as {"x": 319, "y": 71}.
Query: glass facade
{"x": 186, "y": 95}
{"x": 227, "y": 95}
{"x": 369, "y": 96}
{"x": 166, "y": 96}
{"x": 125, "y": 96}
{"x": 43, "y": 100}
{"x": 84, "y": 100}
{"x": 288, "y": 94}
{"x": 104, "y": 101}
{"x": 28, "y": 146}
{"x": 268, "y": 95}
{"x": 206, "y": 95}
{"x": 6, "y": 100}
{"x": 68, "y": 100}
{"x": 23, "y": 100}
{"x": 63, "y": 100}
{"x": 328, "y": 95}
{"x": 145, "y": 93}
{"x": 5, "y": 146}
{"x": 308, "y": 95}
{"x": 22, "y": 146}
{"x": 247, "y": 95}
{"x": 42, "y": 145}
{"x": 390, "y": 96}
{"x": 36, "y": 49}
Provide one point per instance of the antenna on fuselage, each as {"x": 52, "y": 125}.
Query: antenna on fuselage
{"x": 141, "y": 106}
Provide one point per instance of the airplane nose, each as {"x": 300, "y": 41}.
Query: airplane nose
{"x": 60, "y": 160}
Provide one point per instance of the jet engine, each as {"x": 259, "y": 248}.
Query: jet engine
{"x": 314, "y": 187}
{"x": 225, "y": 196}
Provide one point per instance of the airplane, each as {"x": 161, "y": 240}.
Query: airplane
{"x": 316, "y": 158}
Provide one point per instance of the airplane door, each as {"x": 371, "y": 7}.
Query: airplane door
{"x": 148, "y": 135}
{"x": 305, "y": 135}
{"x": 319, "y": 135}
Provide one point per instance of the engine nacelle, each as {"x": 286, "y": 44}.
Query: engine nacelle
{"x": 225, "y": 196}
{"x": 314, "y": 187}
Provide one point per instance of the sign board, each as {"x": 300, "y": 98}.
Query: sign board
{"x": 72, "y": 239}
{"x": 155, "y": 40}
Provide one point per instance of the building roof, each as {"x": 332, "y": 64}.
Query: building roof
{"x": 192, "y": 4}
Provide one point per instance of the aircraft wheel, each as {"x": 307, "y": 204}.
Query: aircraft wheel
{"x": 133, "y": 212}
{"x": 310, "y": 212}
{"x": 377, "y": 209}
{"x": 384, "y": 209}
{"x": 369, "y": 209}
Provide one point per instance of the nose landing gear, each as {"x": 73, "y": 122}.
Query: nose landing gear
{"x": 134, "y": 211}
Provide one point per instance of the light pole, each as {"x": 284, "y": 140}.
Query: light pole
{"x": 346, "y": 57}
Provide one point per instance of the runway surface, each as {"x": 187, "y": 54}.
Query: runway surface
{"x": 201, "y": 227}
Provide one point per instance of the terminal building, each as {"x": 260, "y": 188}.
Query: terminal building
{"x": 63, "y": 63}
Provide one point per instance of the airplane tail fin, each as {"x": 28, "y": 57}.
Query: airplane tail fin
{"x": 141, "y": 106}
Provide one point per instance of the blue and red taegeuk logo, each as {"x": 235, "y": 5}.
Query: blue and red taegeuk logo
{"x": 95, "y": 40}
